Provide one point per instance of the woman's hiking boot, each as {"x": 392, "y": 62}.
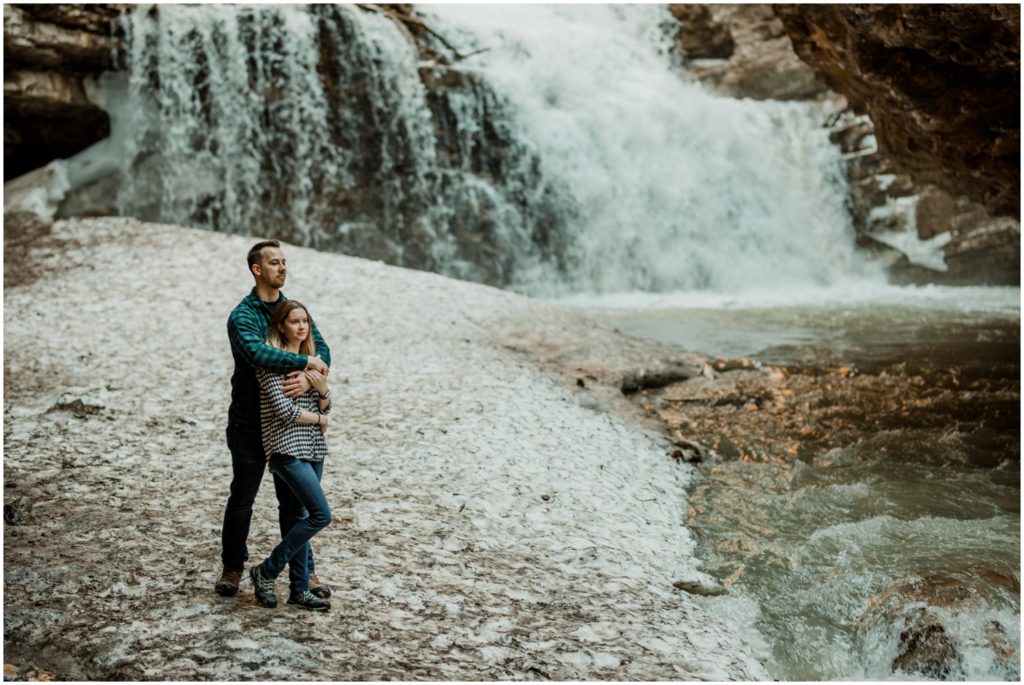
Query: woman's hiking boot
{"x": 305, "y": 599}
{"x": 318, "y": 588}
{"x": 227, "y": 584}
{"x": 263, "y": 586}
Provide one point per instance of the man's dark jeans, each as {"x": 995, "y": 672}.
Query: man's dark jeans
{"x": 306, "y": 511}
{"x": 248, "y": 463}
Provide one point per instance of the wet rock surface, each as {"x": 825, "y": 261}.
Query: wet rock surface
{"x": 49, "y": 50}
{"x": 486, "y": 525}
{"x": 743, "y": 51}
{"x": 14, "y": 672}
{"x": 921, "y": 609}
{"x": 805, "y": 410}
{"x": 901, "y": 63}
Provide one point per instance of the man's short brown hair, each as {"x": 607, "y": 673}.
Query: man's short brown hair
{"x": 255, "y": 250}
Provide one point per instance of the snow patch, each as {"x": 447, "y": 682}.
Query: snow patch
{"x": 446, "y": 560}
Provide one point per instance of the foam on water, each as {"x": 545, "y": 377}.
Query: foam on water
{"x": 870, "y": 556}
{"x": 675, "y": 187}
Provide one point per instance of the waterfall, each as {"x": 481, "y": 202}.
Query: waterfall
{"x": 677, "y": 188}
{"x": 549, "y": 149}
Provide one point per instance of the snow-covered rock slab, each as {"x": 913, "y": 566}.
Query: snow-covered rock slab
{"x": 488, "y": 524}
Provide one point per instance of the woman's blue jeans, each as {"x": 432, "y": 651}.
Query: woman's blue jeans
{"x": 248, "y": 463}
{"x": 305, "y": 513}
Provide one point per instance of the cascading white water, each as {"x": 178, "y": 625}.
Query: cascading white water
{"x": 221, "y": 100}
{"x": 566, "y": 152}
{"x": 313, "y": 124}
{"x": 675, "y": 188}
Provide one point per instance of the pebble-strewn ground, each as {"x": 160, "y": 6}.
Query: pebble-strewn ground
{"x": 491, "y": 522}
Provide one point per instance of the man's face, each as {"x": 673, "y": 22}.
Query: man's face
{"x": 271, "y": 269}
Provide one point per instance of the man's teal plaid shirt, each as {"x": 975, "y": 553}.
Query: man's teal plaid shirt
{"x": 247, "y": 331}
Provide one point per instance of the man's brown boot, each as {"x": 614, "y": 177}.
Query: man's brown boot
{"x": 318, "y": 588}
{"x": 227, "y": 584}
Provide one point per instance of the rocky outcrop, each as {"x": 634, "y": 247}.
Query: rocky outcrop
{"x": 924, "y": 233}
{"x": 49, "y": 51}
{"x": 940, "y": 82}
{"x": 986, "y": 252}
{"x": 70, "y": 38}
{"x": 743, "y": 51}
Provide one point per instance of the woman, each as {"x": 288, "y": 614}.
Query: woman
{"x": 293, "y": 439}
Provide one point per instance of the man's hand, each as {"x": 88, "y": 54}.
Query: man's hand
{"x": 323, "y": 424}
{"x": 296, "y": 384}
{"x": 317, "y": 364}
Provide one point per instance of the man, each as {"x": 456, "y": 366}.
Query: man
{"x": 247, "y": 331}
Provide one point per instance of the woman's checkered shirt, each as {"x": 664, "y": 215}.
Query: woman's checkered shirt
{"x": 278, "y": 412}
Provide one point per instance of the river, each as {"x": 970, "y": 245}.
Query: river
{"x": 864, "y": 511}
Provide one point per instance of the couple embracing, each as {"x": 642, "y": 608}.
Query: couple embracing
{"x": 280, "y": 403}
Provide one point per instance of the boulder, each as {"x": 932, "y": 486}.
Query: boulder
{"x": 31, "y": 93}
{"x": 935, "y": 212}
{"x": 987, "y": 252}
{"x": 917, "y": 608}
{"x": 698, "y": 583}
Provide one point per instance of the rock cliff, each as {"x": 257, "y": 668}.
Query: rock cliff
{"x": 49, "y": 51}
{"x": 940, "y": 82}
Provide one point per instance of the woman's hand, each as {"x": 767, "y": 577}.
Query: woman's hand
{"x": 323, "y": 424}
{"x": 317, "y": 380}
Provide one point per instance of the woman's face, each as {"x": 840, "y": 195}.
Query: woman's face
{"x": 295, "y": 326}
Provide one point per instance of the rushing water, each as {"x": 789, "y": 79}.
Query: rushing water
{"x": 674, "y": 187}
{"x": 896, "y": 554}
{"x": 322, "y": 125}
{"x": 550, "y": 149}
